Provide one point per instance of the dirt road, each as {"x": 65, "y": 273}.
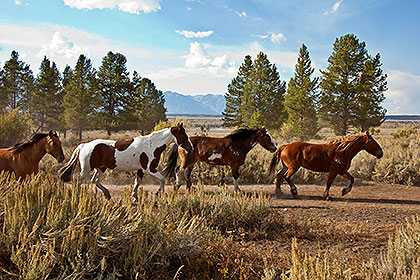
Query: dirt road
{"x": 354, "y": 226}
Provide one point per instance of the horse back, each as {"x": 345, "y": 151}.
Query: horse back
{"x": 315, "y": 157}
{"x": 215, "y": 151}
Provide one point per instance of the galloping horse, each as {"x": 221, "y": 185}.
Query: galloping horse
{"x": 334, "y": 157}
{"x": 23, "y": 158}
{"x": 230, "y": 150}
{"x": 141, "y": 154}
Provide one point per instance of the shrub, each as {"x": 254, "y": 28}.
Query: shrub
{"x": 13, "y": 127}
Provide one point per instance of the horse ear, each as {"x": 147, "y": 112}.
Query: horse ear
{"x": 367, "y": 133}
{"x": 181, "y": 125}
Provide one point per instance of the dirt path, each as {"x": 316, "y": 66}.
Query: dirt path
{"x": 354, "y": 226}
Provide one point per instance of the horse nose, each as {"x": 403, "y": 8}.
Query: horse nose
{"x": 273, "y": 149}
{"x": 379, "y": 154}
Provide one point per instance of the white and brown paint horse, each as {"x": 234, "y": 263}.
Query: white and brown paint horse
{"x": 230, "y": 150}
{"x": 23, "y": 158}
{"x": 141, "y": 154}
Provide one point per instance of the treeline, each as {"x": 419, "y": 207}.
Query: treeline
{"x": 347, "y": 95}
{"x": 79, "y": 98}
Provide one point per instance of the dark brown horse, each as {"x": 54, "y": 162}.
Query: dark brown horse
{"x": 230, "y": 150}
{"x": 334, "y": 157}
{"x": 23, "y": 158}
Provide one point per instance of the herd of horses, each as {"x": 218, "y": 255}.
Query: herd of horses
{"x": 142, "y": 155}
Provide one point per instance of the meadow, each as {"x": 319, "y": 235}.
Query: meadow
{"x": 52, "y": 230}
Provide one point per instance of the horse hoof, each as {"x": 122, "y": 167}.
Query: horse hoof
{"x": 344, "y": 191}
{"x": 327, "y": 198}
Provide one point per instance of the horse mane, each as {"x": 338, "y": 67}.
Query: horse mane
{"x": 345, "y": 142}
{"x": 18, "y": 147}
{"x": 242, "y": 133}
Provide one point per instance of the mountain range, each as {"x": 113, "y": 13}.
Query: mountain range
{"x": 206, "y": 104}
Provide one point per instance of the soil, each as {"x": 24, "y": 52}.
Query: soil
{"x": 354, "y": 226}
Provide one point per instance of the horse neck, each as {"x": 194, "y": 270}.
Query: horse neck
{"x": 164, "y": 136}
{"x": 35, "y": 152}
{"x": 355, "y": 148}
{"x": 248, "y": 143}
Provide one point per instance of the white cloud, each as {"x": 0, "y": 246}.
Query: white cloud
{"x": 334, "y": 8}
{"x": 403, "y": 93}
{"x": 241, "y": 14}
{"x": 275, "y": 38}
{"x": 191, "y": 34}
{"x": 18, "y": 2}
{"x": 128, "y": 6}
{"x": 60, "y": 45}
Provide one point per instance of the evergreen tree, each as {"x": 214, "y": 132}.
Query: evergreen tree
{"x": 232, "y": 116}
{"x": 16, "y": 82}
{"x": 80, "y": 87}
{"x": 302, "y": 121}
{"x": 145, "y": 106}
{"x": 352, "y": 87}
{"x": 45, "y": 103}
{"x": 263, "y": 99}
{"x": 114, "y": 85}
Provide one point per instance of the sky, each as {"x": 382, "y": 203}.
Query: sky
{"x": 196, "y": 46}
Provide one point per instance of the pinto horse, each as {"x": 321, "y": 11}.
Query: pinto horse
{"x": 23, "y": 158}
{"x": 230, "y": 150}
{"x": 141, "y": 154}
{"x": 333, "y": 157}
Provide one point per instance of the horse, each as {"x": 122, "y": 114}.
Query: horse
{"x": 23, "y": 158}
{"x": 141, "y": 154}
{"x": 333, "y": 157}
{"x": 230, "y": 150}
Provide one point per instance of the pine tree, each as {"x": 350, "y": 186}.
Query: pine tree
{"x": 263, "y": 99}
{"x": 45, "y": 103}
{"x": 302, "y": 121}
{"x": 232, "y": 116}
{"x": 80, "y": 87}
{"x": 350, "y": 95}
{"x": 17, "y": 81}
{"x": 145, "y": 105}
{"x": 114, "y": 85}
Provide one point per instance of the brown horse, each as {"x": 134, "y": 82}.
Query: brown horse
{"x": 230, "y": 150}
{"x": 334, "y": 157}
{"x": 23, "y": 158}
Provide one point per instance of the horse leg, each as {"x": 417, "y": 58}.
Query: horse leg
{"x": 161, "y": 179}
{"x": 293, "y": 188}
{"x": 347, "y": 189}
{"x": 331, "y": 177}
{"x": 235, "y": 173}
{"x": 188, "y": 175}
{"x": 139, "y": 177}
{"x": 280, "y": 177}
{"x": 97, "y": 176}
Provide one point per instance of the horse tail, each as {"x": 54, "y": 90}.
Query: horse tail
{"x": 67, "y": 170}
{"x": 275, "y": 160}
{"x": 169, "y": 170}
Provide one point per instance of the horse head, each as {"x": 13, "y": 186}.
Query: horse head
{"x": 181, "y": 137}
{"x": 265, "y": 140}
{"x": 371, "y": 146}
{"x": 53, "y": 146}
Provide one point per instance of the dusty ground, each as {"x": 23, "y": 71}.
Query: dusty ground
{"x": 356, "y": 226}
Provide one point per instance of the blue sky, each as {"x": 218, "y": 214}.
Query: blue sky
{"x": 196, "y": 46}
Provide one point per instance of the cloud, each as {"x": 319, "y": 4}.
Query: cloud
{"x": 128, "y": 6}
{"x": 241, "y": 14}
{"x": 403, "y": 92}
{"x": 334, "y": 8}
{"x": 18, "y": 2}
{"x": 191, "y": 34}
{"x": 60, "y": 45}
{"x": 275, "y": 38}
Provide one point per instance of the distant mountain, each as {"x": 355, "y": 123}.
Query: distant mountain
{"x": 208, "y": 104}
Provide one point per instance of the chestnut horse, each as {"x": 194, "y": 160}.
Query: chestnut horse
{"x": 230, "y": 150}
{"x": 23, "y": 158}
{"x": 333, "y": 157}
{"x": 141, "y": 154}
